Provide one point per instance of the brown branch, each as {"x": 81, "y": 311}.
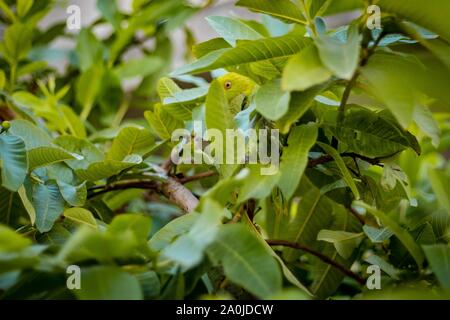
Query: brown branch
{"x": 121, "y": 185}
{"x": 319, "y": 255}
{"x": 327, "y": 158}
{"x": 172, "y": 189}
{"x": 196, "y": 177}
{"x": 179, "y": 195}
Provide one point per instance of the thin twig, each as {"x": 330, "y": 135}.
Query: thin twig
{"x": 319, "y": 255}
{"x": 121, "y": 185}
{"x": 196, "y": 177}
{"x": 327, "y": 158}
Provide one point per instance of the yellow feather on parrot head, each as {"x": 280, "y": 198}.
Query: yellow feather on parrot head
{"x": 235, "y": 84}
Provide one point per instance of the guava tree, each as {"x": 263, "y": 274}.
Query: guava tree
{"x": 359, "y": 200}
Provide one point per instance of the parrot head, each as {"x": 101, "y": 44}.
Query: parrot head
{"x": 235, "y": 84}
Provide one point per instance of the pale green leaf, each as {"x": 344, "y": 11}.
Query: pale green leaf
{"x": 246, "y": 52}
{"x": 340, "y": 58}
{"x": 105, "y": 169}
{"x": 49, "y": 205}
{"x": 81, "y": 216}
{"x": 271, "y": 101}
{"x": 14, "y": 162}
{"x": 130, "y": 141}
{"x": 377, "y": 235}
{"x": 232, "y": 29}
{"x": 304, "y": 70}
{"x": 284, "y": 10}
{"x": 345, "y": 242}
{"x": 44, "y": 156}
{"x": 433, "y": 17}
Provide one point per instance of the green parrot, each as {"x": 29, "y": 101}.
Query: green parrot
{"x": 238, "y": 89}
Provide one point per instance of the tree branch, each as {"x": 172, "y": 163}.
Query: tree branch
{"x": 196, "y": 177}
{"x": 327, "y": 158}
{"x": 319, "y": 255}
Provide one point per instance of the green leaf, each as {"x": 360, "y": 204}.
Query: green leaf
{"x": 10, "y": 241}
{"x": 201, "y": 49}
{"x": 141, "y": 67}
{"x": 16, "y": 42}
{"x": 440, "y": 182}
{"x": 246, "y": 52}
{"x": 162, "y": 122}
{"x": 344, "y": 242}
{"x": 23, "y": 6}
{"x": 88, "y": 87}
{"x": 232, "y": 29}
{"x": 32, "y": 135}
{"x": 138, "y": 224}
{"x": 314, "y": 214}
{"x": 171, "y": 231}
{"x": 284, "y": 10}
{"x": 49, "y": 205}
{"x": 177, "y": 102}
{"x": 245, "y": 260}
{"x": 271, "y": 101}
{"x": 31, "y": 68}
{"x": 81, "y": 216}
{"x": 218, "y": 113}
{"x": 257, "y": 185}
{"x": 340, "y": 58}
{"x": 188, "y": 249}
{"x": 14, "y": 161}
{"x": 384, "y": 265}
{"x": 295, "y": 157}
{"x": 73, "y": 122}
{"x": 304, "y": 70}
{"x": 2, "y": 79}
{"x": 125, "y": 238}
{"x": 373, "y": 135}
{"x": 110, "y": 12}
{"x": 423, "y": 117}
{"x": 130, "y": 141}
{"x": 150, "y": 284}
{"x": 44, "y": 156}
{"x": 439, "y": 258}
{"x": 342, "y": 167}
{"x": 432, "y": 17}
{"x": 404, "y": 236}
{"x": 105, "y": 169}
{"x": 11, "y": 208}
{"x": 74, "y": 195}
{"x": 317, "y": 7}
{"x": 82, "y": 147}
{"x": 299, "y": 105}
{"x": 108, "y": 283}
{"x": 394, "y": 80}
{"x": 377, "y": 235}
{"x": 327, "y": 278}
{"x": 89, "y": 50}
{"x": 285, "y": 270}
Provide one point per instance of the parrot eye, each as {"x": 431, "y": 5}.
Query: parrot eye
{"x": 228, "y": 85}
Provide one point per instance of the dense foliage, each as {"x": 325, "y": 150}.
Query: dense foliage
{"x": 363, "y": 116}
